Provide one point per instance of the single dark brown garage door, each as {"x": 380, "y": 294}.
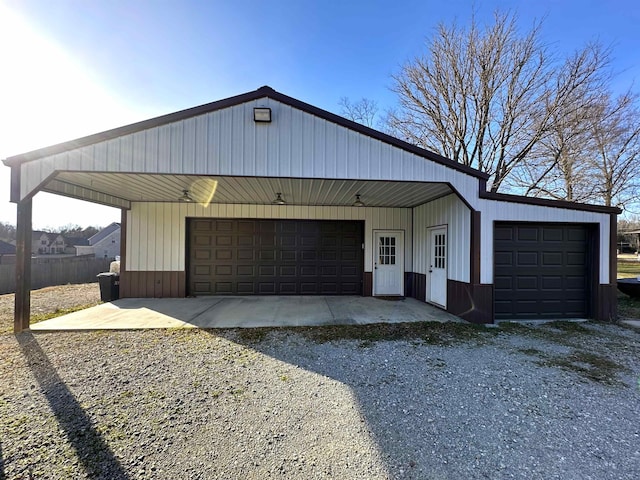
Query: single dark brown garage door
{"x": 275, "y": 257}
{"x": 542, "y": 271}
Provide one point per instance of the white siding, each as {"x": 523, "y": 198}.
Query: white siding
{"x": 507, "y": 211}
{"x": 109, "y": 246}
{"x": 156, "y": 231}
{"x": 228, "y": 142}
{"x": 453, "y": 213}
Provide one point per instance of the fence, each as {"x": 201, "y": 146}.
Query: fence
{"x": 46, "y": 272}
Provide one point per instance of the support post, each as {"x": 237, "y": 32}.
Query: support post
{"x": 22, "y": 311}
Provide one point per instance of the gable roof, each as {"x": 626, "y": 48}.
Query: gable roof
{"x": 102, "y": 234}
{"x": 76, "y": 241}
{"x": 262, "y": 92}
{"x": 6, "y": 248}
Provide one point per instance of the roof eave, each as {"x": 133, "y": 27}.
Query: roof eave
{"x": 261, "y": 92}
{"x": 547, "y": 202}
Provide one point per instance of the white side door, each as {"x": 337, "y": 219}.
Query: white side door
{"x": 388, "y": 262}
{"x": 437, "y": 287}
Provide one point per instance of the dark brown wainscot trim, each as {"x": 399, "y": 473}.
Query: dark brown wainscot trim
{"x": 473, "y": 303}
{"x": 367, "y": 284}
{"x": 607, "y": 303}
{"x": 143, "y": 284}
{"x": 418, "y": 286}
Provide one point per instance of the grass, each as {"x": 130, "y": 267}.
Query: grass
{"x": 591, "y": 366}
{"x": 41, "y": 317}
{"x": 628, "y": 269}
{"x": 434, "y": 333}
{"x": 628, "y": 307}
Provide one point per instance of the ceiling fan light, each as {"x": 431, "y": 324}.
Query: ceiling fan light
{"x": 279, "y": 200}
{"x": 185, "y": 197}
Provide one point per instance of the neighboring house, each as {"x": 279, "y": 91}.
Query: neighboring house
{"x": 43, "y": 243}
{"x": 262, "y": 194}
{"x": 106, "y": 243}
{"x": 6, "y": 248}
{"x": 77, "y": 246}
{"x": 40, "y": 243}
{"x": 58, "y": 244}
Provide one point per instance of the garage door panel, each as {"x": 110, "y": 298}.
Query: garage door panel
{"x": 218, "y": 225}
{"x": 550, "y": 277}
{"x": 223, "y": 254}
{"x": 552, "y": 259}
{"x": 527, "y": 234}
{"x": 251, "y": 256}
{"x": 266, "y": 255}
{"x": 552, "y": 282}
{"x": 527, "y": 259}
{"x": 552, "y": 234}
{"x": 504, "y": 258}
{"x": 288, "y": 255}
{"x": 527, "y": 283}
{"x": 246, "y": 288}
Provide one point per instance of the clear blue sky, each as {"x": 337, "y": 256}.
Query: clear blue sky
{"x": 71, "y": 68}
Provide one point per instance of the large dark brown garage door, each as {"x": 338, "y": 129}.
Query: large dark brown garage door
{"x": 542, "y": 271}
{"x": 275, "y": 257}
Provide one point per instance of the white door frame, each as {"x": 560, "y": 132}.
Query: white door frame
{"x": 400, "y": 247}
{"x": 428, "y": 296}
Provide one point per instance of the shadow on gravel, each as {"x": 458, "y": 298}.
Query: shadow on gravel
{"x": 93, "y": 452}
{"x": 2, "y": 475}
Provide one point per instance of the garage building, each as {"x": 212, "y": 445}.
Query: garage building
{"x": 262, "y": 194}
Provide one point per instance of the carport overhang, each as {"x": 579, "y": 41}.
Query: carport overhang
{"x": 123, "y": 189}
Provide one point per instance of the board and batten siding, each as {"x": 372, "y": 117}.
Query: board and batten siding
{"x": 493, "y": 211}
{"x": 453, "y": 213}
{"x": 228, "y": 142}
{"x": 156, "y": 232}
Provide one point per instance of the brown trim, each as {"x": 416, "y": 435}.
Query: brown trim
{"x": 367, "y": 284}
{"x": 473, "y": 303}
{"x": 419, "y": 286}
{"x": 262, "y": 92}
{"x": 462, "y": 199}
{"x": 124, "y": 288}
{"x": 546, "y": 202}
{"x": 607, "y": 303}
{"x": 22, "y": 312}
{"x": 408, "y": 284}
{"x": 475, "y": 260}
{"x": 150, "y": 284}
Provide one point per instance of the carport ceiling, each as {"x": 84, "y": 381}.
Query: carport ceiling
{"x": 252, "y": 190}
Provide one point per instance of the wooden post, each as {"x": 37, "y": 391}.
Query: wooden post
{"x": 22, "y": 311}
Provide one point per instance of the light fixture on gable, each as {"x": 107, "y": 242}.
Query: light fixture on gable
{"x": 185, "y": 197}
{"x": 358, "y": 202}
{"x": 262, "y": 115}
{"x": 279, "y": 200}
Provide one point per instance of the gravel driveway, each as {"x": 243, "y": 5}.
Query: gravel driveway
{"x": 395, "y": 401}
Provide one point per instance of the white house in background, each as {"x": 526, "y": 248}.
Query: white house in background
{"x": 106, "y": 243}
{"x": 262, "y": 194}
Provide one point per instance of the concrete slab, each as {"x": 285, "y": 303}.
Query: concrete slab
{"x": 245, "y": 312}
{"x": 632, "y": 323}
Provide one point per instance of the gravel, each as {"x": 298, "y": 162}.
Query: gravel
{"x": 549, "y": 401}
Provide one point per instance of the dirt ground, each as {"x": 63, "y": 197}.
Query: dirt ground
{"x": 50, "y": 299}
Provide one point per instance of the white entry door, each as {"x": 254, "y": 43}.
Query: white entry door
{"x": 388, "y": 263}
{"x": 437, "y": 287}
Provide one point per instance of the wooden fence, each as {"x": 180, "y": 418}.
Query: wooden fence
{"x": 46, "y": 272}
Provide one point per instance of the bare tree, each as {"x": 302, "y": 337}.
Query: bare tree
{"x": 616, "y": 150}
{"x": 363, "y": 111}
{"x": 487, "y": 97}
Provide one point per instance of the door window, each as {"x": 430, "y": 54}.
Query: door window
{"x": 439, "y": 250}
{"x": 387, "y": 250}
